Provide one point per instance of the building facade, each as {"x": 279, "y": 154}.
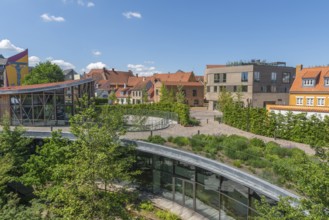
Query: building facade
{"x": 260, "y": 83}
{"x": 43, "y": 104}
{"x": 308, "y": 94}
{"x": 14, "y": 69}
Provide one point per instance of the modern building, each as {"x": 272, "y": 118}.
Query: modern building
{"x": 43, "y": 104}
{"x": 71, "y": 74}
{"x": 14, "y": 69}
{"x": 308, "y": 94}
{"x": 261, "y": 83}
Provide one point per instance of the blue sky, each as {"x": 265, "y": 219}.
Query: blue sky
{"x": 149, "y": 36}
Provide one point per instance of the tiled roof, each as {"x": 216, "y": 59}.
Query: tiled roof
{"x": 115, "y": 77}
{"x": 118, "y": 93}
{"x": 298, "y": 108}
{"x": 134, "y": 80}
{"x": 311, "y": 74}
{"x": 183, "y": 83}
{"x": 175, "y": 77}
{"x": 318, "y": 72}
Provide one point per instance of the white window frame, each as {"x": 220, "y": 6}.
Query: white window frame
{"x": 308, "y": 82}
{"x": 274, "y": 76}
{"x": 326, "y": 81}
{"x": 256, "y": 76}
{"x": 299, "y": 100}
{"x": 310, "y": 101}
{"x": 323, "y": 101}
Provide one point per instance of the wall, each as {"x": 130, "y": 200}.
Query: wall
{"x": 293, "y": 97}
{"x": 11, "y": 73}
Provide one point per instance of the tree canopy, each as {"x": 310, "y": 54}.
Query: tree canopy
{"x": 46, "y": 72}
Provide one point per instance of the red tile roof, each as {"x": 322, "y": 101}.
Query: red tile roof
{"x": 115, "y": 77}
{"x": 316, "y": 72}
{"x": 175, "y": 77}
{"x": 183, "y": 83}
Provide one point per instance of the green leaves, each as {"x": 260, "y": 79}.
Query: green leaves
{"x": 44, "y": 73}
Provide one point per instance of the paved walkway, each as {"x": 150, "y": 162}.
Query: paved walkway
{"x": 209, "y": 126}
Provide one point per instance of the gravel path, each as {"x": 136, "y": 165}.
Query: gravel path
{"x": 209, "y": 126}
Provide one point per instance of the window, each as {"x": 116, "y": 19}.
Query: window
{"x": 326, "y": 81}
{"x": 215, "y": 88}
{"x": 216, "y": 78}
{"x": 244, "y": 77}
{"x": 244, "y": 89}
{"x": 194, "y": 92}
{"x": 222, "y": 88}
{"x": 273, "y": 77}
{"x": 308, "y": 82}
{"x": 196, "y": 102}
{"x": 256, "y": 76}
{"x": 299, "y": 101}
{"x": 273, "y": 88}
{"x": 208, "y": 88}
{"x": 285, "y": 77}
{"x": 310, "y": 101}
{"x": 235, "y": 88}
{"x": 156, "y": 92}
{"x": 321, "y": 101}
{"x": 224, "y": 78}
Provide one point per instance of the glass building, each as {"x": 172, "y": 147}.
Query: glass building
{"x": 212, "y": 195}
{"x": 43, "y": 104}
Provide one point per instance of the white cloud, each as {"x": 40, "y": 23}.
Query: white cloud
{"x": 49, "y": 18}
{"x": 5, "y": 44}
{"x": 97, "y": 65}
{"x": 142, "y": 70}
{"x": 149, "y": 62}
{"x": 34, "y": 60}
{"x": 63, "y": 64}
{"x": 96, "y": 53}
{"x": 90, "y": 4}
{"x": 131, "y": 14}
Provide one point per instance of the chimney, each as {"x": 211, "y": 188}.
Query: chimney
{"x": 136, "y": 74}
{"x": 124, "y": 85}
{"x": 299, "y": 67}
{"x": 113, "y": 69}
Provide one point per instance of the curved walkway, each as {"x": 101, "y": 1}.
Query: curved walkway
{"x": 209, "y": 126}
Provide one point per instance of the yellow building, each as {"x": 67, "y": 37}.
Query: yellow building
{"x": 14, "y": 69}
{"x": 309, "y": 92}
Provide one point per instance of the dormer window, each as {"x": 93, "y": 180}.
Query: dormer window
{"x": 309, "y": 82}
{"x": 326, "y": 81}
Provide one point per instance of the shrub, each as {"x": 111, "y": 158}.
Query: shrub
{"x": 234, "y": 146}
{"x": 156, "y": 139}
{"x": 170, "y": 139}
{"x": 259, "y": 163}
{"x": 165, "y": 215}
{"x": 237, "y": 163}
{"x": 147, "y": 205}
{"x": 193, "y": 122}
{"x": 101, "y": 101}
{"x": 181, "y": 141}
{"x": 257, "y": 142}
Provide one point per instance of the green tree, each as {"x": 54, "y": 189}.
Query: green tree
{"x": 44, "y": 73}
{"x": 78, "y": 179}
{"x": 145, "y": 95}
{"x": 180, "y": 95}
{"x": 164, "y": 94}
{"x": 112, "y": 97}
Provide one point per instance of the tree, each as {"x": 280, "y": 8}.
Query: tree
{"x": 112, "y": 97}
{"x": 44, "y": 73}
{"x": 78, "y": 179}
{"x": 180, "y": 95}
{"x": 145, "y": 95}
{"x": 164, "y": 94}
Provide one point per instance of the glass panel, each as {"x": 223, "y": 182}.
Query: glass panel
{"x": 185, "y": 170}
{"x": 207, "y": 202}
{"x": 179, "y": 191}
{"x": 188, "y": 194}
{"x": 233, "y": 208}
{"x": 162, "y": 163}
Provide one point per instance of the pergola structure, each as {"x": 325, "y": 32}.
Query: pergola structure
{"x": 43, "y": 104}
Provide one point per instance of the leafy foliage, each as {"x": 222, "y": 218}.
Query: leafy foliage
{"x": 44, "y": 73}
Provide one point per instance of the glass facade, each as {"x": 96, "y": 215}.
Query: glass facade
{"x": 45, "y": 108}
{"x": 210, "y": 194}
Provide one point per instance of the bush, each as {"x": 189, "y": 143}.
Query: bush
{"x": 170, "y": 139}
{"x": 193, "y": 122}
{"x": 234, "y": 146}
{"x": 237, "y": 163}
{"x": 101, "y": 101}
{"x": 147, "y": 205}
{"x": 165, "y": 215}
{"x": 156, "y": 139}
{"x": 257, "y": 142}
{"x": 181, "y": 141}
{"x": 259, "y": 163}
